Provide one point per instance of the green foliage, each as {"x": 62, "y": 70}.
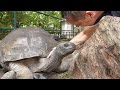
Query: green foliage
{"x": 30, "y": 18}
{"x": 6, "y": 19}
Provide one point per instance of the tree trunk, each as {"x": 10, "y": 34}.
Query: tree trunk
{"x": 99, "y": 58}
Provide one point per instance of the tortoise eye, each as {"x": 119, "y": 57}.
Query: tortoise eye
{"x": 66, "y": 45}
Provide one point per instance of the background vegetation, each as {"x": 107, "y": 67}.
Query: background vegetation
{"x": 30, "y": 18}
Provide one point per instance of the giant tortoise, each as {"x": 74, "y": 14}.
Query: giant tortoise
{"x": 25, "y": 51}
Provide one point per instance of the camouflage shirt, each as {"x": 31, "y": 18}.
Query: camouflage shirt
{"x": 111, "y": 13}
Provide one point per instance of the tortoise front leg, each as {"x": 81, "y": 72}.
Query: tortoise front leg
{"x": 22, "y": 71}
{"x": 9, "y": 75}
{"x": 68, "y": 63}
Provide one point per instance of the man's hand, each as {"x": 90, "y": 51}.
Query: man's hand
{"x": 83, "y": 35}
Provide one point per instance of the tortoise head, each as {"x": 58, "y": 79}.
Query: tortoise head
{"x": 65, "y": 48}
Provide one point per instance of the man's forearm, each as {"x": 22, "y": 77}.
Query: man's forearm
{"x": 79, "y": 39}
{"x": 83, "y": 36}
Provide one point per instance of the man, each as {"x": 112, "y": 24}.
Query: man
{"x": 82, "y": 18}
{"x": 85, "y": 18}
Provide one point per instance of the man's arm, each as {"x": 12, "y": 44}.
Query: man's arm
{"x": 83, "y": 36}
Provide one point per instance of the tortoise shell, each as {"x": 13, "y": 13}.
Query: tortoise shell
{"x": 26, "y": 43}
